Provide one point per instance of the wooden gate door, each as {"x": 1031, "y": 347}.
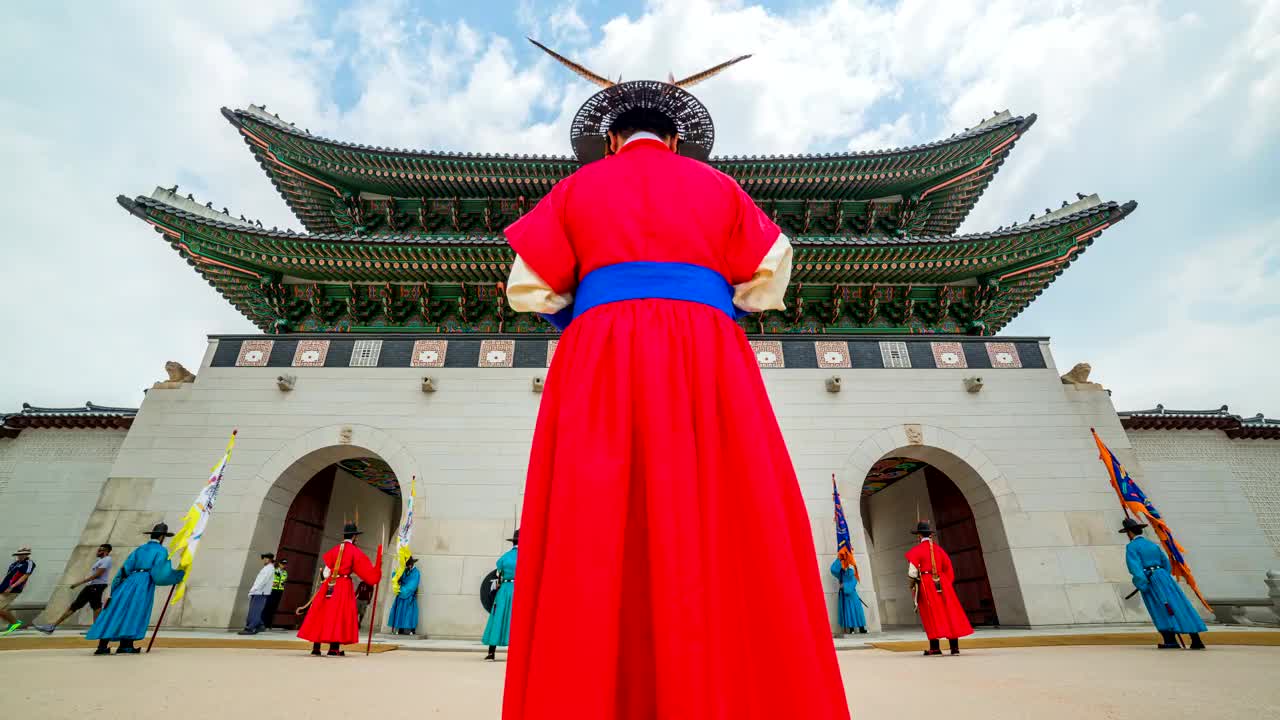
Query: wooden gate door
{"x": 300, "y": 544}
{"x": 958, "y": 535}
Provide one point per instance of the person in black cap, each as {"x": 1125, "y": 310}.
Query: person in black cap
{"x": 126, "y": 617}
{"x": 331, "y": 614}
{"x": 1168, "y": 607}
{"x": 932, "y": 578}
{"x": 497, "y": 631}
{"x": 259, "y": 593}
{"x": 647, "y": 246}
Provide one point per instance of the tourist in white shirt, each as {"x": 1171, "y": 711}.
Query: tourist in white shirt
{"x": 258, "y": 594}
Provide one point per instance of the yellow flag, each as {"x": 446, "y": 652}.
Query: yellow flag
{"x": 187, "y": 539}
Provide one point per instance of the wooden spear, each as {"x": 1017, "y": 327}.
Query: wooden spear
{"x": 373, "y": 609}
{"x": 160, "y": 622}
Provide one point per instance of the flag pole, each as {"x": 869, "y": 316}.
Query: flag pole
{"x": 160, "y": 622}
{"x": 373, "y": 609}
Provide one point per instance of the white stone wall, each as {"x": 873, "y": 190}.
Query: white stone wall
{"x": 1019, "y": 450}
{"x": 49, "y": 482}
{"x": 1221, "y": 497}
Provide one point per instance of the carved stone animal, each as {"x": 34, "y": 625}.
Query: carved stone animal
{"x": 1078, "y": 375}
{"x": 178, "y": 376}
{"x": 178, "y": 373}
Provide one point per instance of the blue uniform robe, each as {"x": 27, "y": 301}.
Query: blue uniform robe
{"x": 1168, "y": 606}
{"x": 404, "y": 611}
{"x": 851, "y": 615}
{"x": 498, "y": 630}
{"x": 132, "y": 594}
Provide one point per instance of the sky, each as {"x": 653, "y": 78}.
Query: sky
{"x": 1172, "y": 104}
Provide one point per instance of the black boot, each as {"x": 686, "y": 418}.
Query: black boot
{"x": 1168, "y": 641}
{"x": 103, "y": 649}
{"x": 955, "y": 645}
{"x": 127, "y": 648}
{"x": 1196, "y": 642}
{"x": 335, "y": 650}
{"x": 493, "y": 650}
{"x": 315, "y": 649}
{"x": 862, "y": 630}
{"x": 934, "y": 648}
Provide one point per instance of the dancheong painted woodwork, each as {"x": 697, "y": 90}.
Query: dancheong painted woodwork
{"x": 410, "y": 241}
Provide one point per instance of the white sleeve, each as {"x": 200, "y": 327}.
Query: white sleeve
{"x": 912, "y": 571}
{"x": 527, "y": 292}
{"x": 768, "y": 285}
{"x": 325, "y": 573}
{"x": 262, "y": 583}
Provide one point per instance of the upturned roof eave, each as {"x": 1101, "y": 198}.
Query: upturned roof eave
{"x": 138, "y": 207}
{"x": 239, "y": 118}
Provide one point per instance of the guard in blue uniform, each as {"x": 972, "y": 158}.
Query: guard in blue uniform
{"x": 132, "y": 593}
{"x": 404, "y": 611}
{"x": 851, "y": 615}
{"x": 1169, "y": 608}
{"x": 498, "y": 630}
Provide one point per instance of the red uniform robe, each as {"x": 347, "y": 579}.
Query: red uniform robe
{"x": 667, "y": 567}
{"x": 940, "y": 613}
{"x": 333, "y": 619}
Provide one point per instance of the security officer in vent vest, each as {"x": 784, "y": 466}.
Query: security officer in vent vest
{"x": 1170, "y": 610}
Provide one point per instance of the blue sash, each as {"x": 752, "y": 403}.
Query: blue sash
{"x": 644, "y": 280}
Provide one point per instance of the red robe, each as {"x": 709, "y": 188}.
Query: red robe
{"x": 940, "y": 613}
{"x": 333, "y": 619}
{"x": 663, "y": 524}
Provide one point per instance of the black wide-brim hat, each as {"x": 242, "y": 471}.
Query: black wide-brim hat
{"x": 160, "y": 529}
{"x": 588, "y": 133}
{"x": 351, "y": 529}
{"x": 923, "y": 528}
{"x": 515, "y": 537}
{"x": 1130, "y": 524}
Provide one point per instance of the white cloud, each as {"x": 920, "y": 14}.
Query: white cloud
{"x": 1214, "y": 331}
{"x": 1132, "y": 98}
{"x": 886, "y": 135}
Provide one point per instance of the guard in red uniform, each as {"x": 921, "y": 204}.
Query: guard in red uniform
{"x": 929, "y": 568}
{"x": 662, "y": 517}
{"x": 331, "y": 614}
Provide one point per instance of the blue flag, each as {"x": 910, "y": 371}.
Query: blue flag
{"x": 844, "y": 543}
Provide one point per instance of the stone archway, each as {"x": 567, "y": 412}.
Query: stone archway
{"x": 983, "y": 487}
{"x": 287, "y": 474}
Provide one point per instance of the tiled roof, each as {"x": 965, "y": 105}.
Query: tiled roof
{"x": 1235, "y": 426}
{"x": 926, "y": 189}
{"x": 86, "y": 416}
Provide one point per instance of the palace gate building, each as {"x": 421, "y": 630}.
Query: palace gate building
{"x": 385, "y": 355}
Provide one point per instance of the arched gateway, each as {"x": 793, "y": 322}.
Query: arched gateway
{"x": 909, "y": 472}
{"x": 310, "y": 487}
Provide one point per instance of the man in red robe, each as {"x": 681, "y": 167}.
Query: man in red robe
{"x": 932, "y": 584}
{"x": 331, "y": 614}
{"x": 662, "y": 516}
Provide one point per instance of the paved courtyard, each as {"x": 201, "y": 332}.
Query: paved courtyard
{"x": 1050, "y": 682}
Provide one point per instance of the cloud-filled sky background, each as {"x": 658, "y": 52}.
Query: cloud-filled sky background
{"x": 1172, "y": 104}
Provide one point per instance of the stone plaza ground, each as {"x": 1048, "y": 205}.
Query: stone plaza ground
{"x": 1038, "y": 682}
